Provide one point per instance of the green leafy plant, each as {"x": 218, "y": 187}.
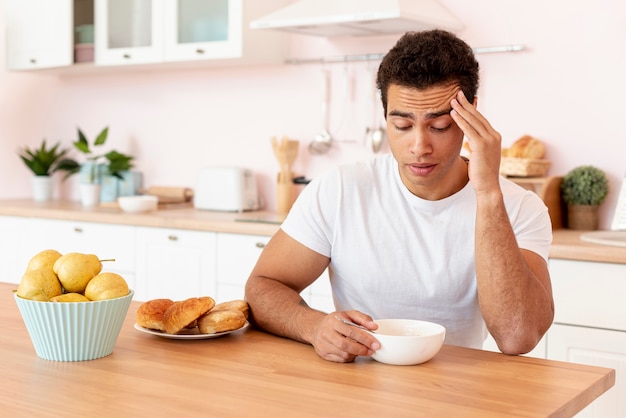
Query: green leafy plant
{"x": 44, "y": 161}
{"x": 584, "y": 185}
{"x": 115, "y": 162}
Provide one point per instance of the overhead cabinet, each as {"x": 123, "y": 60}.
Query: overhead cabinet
{"x": 128, "y": 32}
{"x": 40, "y": 34}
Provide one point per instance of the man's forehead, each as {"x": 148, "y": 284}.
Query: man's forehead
{"x": 433, "y": 100}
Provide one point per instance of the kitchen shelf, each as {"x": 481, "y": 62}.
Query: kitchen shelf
{"x": 379, "y": 56}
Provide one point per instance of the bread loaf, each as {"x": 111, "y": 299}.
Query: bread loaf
{"x": 183, "y": 313}
{"x": 526, "y": 147}
{"x": 221, "y": 321}
{"x": 150, "y": 313}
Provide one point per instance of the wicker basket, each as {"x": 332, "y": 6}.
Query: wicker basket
{"x": 524, "y": 167}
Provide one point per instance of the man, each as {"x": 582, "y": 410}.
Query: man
{"x": 422, "y": 233}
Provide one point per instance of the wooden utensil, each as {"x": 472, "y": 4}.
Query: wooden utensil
{"x": 286, "y": 152}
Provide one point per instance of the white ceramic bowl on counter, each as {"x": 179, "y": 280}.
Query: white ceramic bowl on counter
{"x": 138, "y": 204}
{"x": 407, "y": 341}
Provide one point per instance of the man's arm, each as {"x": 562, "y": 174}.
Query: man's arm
{"x": 514, "y": 289}
{"x": 283, "y": 270}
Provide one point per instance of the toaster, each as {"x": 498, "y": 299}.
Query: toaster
{"x": 228, "y": 189}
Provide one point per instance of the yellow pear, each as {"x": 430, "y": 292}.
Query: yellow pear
{"x": 40, "y": 285}
{"x": 106, "y": 286}
{"x": 43, "y": 259}
{"x": 69, "y": 297}
{"x": 75, "y": 270}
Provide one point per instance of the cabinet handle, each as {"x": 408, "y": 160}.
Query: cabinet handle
{"x": 172, "y": 237}
{"x": 199, "y": 51}
{"x": 260, "y": 245}
{"x": 78, "y": 229}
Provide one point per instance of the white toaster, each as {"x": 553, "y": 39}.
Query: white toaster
{"x": 228, "y": 189}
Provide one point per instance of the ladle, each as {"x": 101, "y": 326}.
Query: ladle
{"x": 322, "y": 141}
{"x": 375, "y": 134}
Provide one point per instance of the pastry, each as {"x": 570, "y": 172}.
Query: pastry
{"x": 221, "y": 321}
{"x": 183, "y": 313}
{"x": 234, "y": 305}
{"x": 150, "y": 313}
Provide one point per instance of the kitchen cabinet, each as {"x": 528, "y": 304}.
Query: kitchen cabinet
{"x": 128, "y": 31}
{"x": 40, "y": 34}
{"x": 236, "y": 256}
{"x": 590, "y": 324}
{"x": 174, "y": 264}
{"x": 106, "y": 241}
{"x": 13, "y": 257}
{"x": 158, "y": 31}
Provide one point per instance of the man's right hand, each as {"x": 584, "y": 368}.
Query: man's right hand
{"x": 337, "y": 341}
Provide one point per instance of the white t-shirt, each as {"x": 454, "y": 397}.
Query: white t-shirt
{"x": 395, "y": 255}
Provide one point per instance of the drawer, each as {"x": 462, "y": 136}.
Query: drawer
{"x": 589, "y": 293}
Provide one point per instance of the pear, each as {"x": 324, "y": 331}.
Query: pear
{"x": 75, "y": 270}
{"x": 40, "y": 285}
{"x": 106, "y": 285}
{"x": 69, "y": 297}
{"x": 43, "y": 259}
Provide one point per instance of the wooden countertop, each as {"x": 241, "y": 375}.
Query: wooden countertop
{"x": 257, "y": 374}
{"x": 566, "y": 243}
{"x": 254, "y": 223}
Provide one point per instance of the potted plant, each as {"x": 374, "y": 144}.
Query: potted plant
{"x": 97, "y": 166}
{"x": 583, "y": 190}
{"x": 44, "y": 162}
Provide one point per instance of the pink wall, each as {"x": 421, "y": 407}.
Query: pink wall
{"x": 566, "y": 89}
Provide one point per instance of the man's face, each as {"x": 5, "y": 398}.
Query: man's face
{"x": 425, "y": 140}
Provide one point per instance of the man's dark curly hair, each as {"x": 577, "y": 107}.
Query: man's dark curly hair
{"x": 426, "y": 59}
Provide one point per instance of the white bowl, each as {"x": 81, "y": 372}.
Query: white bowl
{"x": 74, "y": 331}
{"x": 138, "y": 204}
{"x": 407, "y": 341}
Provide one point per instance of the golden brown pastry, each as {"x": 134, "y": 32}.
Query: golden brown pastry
{"x": 182, "y": 313}
{"x": 526, "y": 147}
{"x": 221, "y": 321}
{"x": 150, "y": 313}
{"x": 233, "y": 305}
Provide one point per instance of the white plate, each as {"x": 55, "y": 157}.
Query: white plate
{"x": 189, "y": 334}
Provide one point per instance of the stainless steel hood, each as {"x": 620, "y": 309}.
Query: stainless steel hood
{"x": 330, "y": 18}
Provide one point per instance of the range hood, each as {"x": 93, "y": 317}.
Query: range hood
{"x": 330, "y": 18}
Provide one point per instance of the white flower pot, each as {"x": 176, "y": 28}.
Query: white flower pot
{"x": 89, "y": 194}
{"x": 42, "y": 188}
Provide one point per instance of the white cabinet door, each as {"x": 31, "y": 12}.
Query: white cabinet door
{"x": 597, "y": 347}
{"x": 236, "y": 256}
{"x": 39, "y": 33}
{"x": 107, "y": 241}
{"x": 218, "y": 31}
{"x": 175, "y": 264}
{"x": 13, "y": 256}
{"x": 589, "y": 294}
{"x": 201, "y": 29}
{"x": 128, "y": 31}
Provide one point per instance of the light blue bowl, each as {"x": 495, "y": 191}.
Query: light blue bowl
{"x": 74, "y": 331}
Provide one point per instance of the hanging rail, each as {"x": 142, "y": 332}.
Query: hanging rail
{"x": 379, "y": 56}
